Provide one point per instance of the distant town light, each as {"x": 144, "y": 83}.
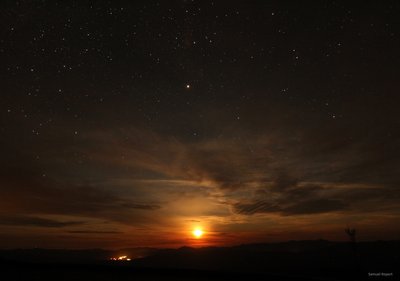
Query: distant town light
{"x": 120, "y": 258}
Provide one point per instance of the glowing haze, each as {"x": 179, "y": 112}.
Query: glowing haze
{"x": 191, "y": 123}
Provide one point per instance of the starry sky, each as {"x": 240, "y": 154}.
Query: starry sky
{"x": 130, "y": 123}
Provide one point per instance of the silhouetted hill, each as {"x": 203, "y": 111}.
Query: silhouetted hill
{"x": 135, "y": 253}
{"x": 55, "y": 255}
{"x": 293, "y": 260}
{"x": 38, "y": 255}
{"x": 311, "y": 258}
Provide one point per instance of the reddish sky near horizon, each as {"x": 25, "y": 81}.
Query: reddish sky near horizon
{"x": 256, "y": 121}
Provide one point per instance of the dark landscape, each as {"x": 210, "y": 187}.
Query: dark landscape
{"x": 293, "y": 260}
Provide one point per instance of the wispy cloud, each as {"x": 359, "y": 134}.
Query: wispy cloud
{"x": 36, "y": 221}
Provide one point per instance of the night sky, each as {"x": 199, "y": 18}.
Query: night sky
{"x": 131, "y": 123}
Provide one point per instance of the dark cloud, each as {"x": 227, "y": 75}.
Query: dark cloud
{"x": 315, "y": 206}
{"x": 281, "y": 186}
{"x": 283, "y": 181}
{"x": 288, "y": 175}
{"x": 36, "y": 193}
{"x": 302, "y": 192}
{"x": 94, "y": 232}
{"x": 35, "y": 221}
{"x": 141, "y": 206}
{"x": 302, "y": 199}
{"x": 255, "y": 207}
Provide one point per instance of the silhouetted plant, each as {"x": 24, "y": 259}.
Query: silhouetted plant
{"x": 351, "y": 232}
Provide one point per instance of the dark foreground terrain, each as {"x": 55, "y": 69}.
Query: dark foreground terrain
{"x": 104, "y": 272}
{"x": 295, "y": 260}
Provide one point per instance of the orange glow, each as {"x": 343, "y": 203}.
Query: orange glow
{"x": 198, "y": 233}
{"x": 120, "y": 258}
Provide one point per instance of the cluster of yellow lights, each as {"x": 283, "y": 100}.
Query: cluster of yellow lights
{"x": 121, "y": 258}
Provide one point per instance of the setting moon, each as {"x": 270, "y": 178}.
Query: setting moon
{"x": 197, "y": 233}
